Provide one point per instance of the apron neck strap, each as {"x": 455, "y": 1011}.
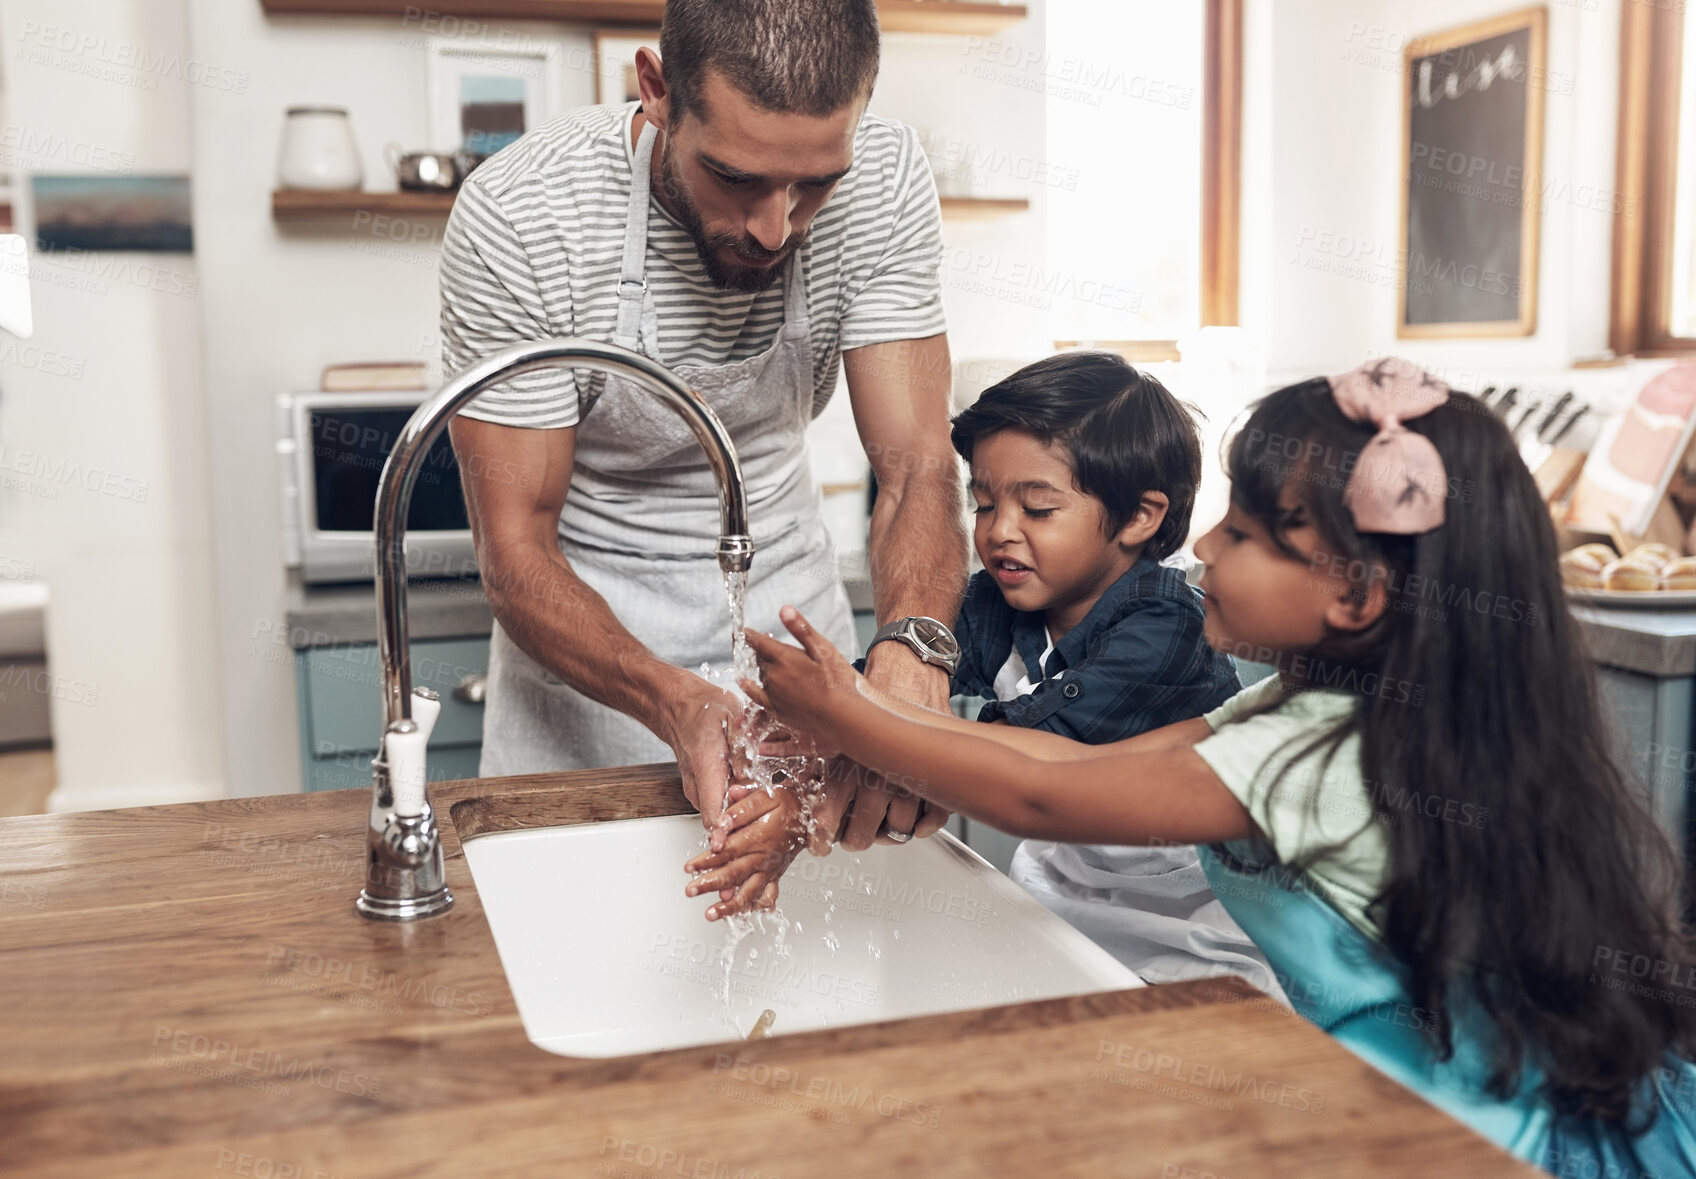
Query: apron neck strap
{"x": 632, "y": 276}
{"x": 632, "y": 281}
{"x": 794, "y": 291}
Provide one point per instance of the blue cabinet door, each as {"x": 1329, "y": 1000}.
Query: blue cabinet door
{"x": 341, "y": 709}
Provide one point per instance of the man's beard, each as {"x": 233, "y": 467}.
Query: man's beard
{"x": 748, "y": 280}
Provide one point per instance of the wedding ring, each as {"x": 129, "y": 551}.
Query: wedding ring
{"x": 897, "y": 836}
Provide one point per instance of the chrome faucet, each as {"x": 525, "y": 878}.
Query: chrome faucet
{"x": 404, "y": 875}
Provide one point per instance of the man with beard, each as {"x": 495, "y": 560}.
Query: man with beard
{"x": 748, "y": 225}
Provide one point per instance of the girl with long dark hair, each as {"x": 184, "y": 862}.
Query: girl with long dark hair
{"x": 1416, "y": 819}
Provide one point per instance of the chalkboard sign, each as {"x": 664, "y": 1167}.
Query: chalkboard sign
{"x": 1472, "y": 178}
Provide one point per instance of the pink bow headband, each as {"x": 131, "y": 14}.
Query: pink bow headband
{"x": 1399, "y": 484}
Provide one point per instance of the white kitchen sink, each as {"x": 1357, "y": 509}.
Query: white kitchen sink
{"x": 607, "y": 957}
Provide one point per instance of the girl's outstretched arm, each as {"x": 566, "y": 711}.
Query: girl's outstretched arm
{"x": 1128, "y": 793}
{"x": 1039, "y": 743}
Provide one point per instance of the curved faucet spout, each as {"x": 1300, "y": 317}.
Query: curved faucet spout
{"x": 398, "y": 887}
{"x": 394, "y": 496}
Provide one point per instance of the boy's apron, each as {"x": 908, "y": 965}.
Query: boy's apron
{"x": 641, "y": 525}
{"x": 1150, "y": 907}
{"x": 1350, "y": 986}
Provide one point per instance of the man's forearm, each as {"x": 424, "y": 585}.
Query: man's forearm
{"x": 918, "y": 547}
{"x": 532, "y": 594}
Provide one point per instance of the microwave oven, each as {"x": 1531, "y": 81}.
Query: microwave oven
{"x": 331, "y": 448}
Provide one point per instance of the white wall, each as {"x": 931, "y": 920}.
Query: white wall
{"x": 1323, "y": 168}
{"x": 110, "y": 387}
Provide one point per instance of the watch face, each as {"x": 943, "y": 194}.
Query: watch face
{"x": 936, "y": 636}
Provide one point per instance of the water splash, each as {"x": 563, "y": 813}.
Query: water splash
{"x": 801, "y": 771}
{"x": 738, "y": 928}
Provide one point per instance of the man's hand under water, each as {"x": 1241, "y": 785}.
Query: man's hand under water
{"x": 700, "y": 735}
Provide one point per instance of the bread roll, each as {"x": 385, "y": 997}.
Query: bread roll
{"x": 1636, "y": 576}
{"x": 1582, "y": 569}
{"x": 1600, "y": 554}
{"x": 1679, "y": 574}
{"x": 1653, "y": 552}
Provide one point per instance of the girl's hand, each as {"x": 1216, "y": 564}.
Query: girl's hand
{"x": 778, "y": 742}
{"x": 803, "y": 688}
{"x": 765, "y": 832}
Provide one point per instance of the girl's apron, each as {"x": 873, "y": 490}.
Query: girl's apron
{"x": 641, "y": 524}
{"x": 1350, "y": 986}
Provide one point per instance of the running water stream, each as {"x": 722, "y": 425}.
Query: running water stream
{"x": 800, "y": 771}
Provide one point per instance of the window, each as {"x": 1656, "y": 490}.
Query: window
{"x": 1154, "y": 125}
{"x": 1654, "y": 276}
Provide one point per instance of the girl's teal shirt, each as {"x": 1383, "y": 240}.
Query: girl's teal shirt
{"x": 1314, "y": 928}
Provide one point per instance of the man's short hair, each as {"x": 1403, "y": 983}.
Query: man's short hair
{"x": 1126, "y": 434}
{"x": 803, "y": 57}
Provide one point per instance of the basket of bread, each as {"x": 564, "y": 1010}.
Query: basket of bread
{"x": 1649, "y": 574}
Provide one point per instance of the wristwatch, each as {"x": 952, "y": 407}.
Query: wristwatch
{"x": 930, "y": 640}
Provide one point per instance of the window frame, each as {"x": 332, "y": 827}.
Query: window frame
{"x": 1646, "y": 172}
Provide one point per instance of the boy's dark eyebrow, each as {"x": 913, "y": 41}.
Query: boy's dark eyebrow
{"x": 1023, "y": 485}
{"x": 738, "y": 174}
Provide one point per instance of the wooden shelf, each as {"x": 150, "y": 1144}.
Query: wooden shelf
{"x": 982, "y": 208}
{"x": 289, "y": 204}
{"x": 947, "y": 16}
{"x": 896, "y": 16}
{"x": 303, "y": 205}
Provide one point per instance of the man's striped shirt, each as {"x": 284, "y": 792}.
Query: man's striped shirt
{"x": 536, "y": 237}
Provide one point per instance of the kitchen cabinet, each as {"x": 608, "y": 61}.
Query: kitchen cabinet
{"x": 1649, "y": 727}
{"x": 1646, "y": 675}
{"x": 341, "y": 709}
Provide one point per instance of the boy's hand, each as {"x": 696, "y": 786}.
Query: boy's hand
{"x": 764, "y": 832}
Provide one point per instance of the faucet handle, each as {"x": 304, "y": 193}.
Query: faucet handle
{"x": 426, "y": 707}
{"x": 403, "y": 750}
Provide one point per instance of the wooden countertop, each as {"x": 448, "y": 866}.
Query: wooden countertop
{"x": 187, "y": 991}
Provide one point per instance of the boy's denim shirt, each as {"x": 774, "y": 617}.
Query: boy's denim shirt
{"x": 1136, "y": 662}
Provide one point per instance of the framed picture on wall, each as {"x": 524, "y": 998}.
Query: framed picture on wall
{"x": 152, "y": 213}
{"x": 1472, "y": 165}
{"x": 483, "y": 98}
{"x": 615, "y": 62}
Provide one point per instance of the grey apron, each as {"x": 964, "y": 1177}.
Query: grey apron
{"x": 640, "y": 526}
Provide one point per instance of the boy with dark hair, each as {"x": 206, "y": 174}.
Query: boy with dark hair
{"x": 1083, "y": 475}
{"x": 1084, "y": 472}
